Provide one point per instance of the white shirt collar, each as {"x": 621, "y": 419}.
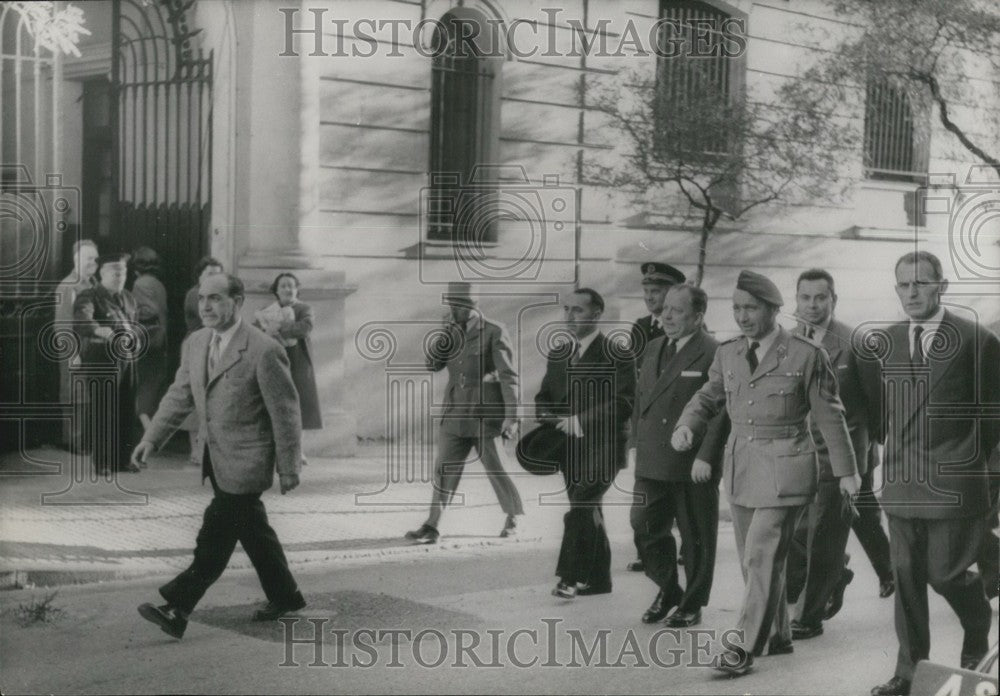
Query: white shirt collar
{"x": 765, "y": 342}
{"x": 654, "y": 321}
{"x": 227, "y": 335}
{"x": 681, "y": 342}
{"x": 585, "y": 342}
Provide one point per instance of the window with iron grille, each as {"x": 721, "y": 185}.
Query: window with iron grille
{"x": 697, "y": 75}
{"x": 465, "y": 128}
{"x": 895, "y": 145}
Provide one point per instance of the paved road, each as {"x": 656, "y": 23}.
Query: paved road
{"x": 392, "y": 618}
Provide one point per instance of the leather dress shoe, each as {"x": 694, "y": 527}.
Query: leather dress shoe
{"x": 684, "y": 619}
{"x": 886, "y": 588}
{"x": 897, "y": 686}
{"x": 509, "y": 527}
{"x": 425, "y": 535}
{"x": 636, "y": 566}
{"x": 564, "y": 590}
{"x": 659, "y": 609}
{"x": 779, "y": 647}
{"x": 735, "y": 663}
{"x": 170, "y": 619}
{"x": 837, "y": 598}
{"x": 586, "y": 589}
{"x": 273, "y": 611}
{"x": 801, "y": 631}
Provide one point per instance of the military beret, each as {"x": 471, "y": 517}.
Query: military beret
{"x": 760, "y": 287}
{"x": 112, "y": 258}
{"x": 655, "y": 273}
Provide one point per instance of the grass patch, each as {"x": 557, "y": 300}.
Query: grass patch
{"x": 38, "y": 611}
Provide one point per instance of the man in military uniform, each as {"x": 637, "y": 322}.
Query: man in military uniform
{"x": 657, "y": 279}
{"x": 480, "y": 406}
{"x": 101, "y": 314}
{"x": 770, "y": 381}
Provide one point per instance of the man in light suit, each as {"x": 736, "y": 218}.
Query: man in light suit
{"x": 480, "y": 407}
{"x": 770, "y": 381}
{"x": 817, "y": 554}
{"x": 80, "y": 278}
{"x": 943, "y": 372}
{"x": 668, "y": 482}
{"x": 587, "y": 392}
{"x": 238, "y": 382}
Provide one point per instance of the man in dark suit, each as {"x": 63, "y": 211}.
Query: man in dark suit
{"x": 942, "y": 381}
{"x": 480, "y": 408}
{"x": 587, "y": 391}
{"x": 106, "y": 320}
{"x": 770, "y": 382}
{"x": 657, "y": 279}
{"x": 817, "y": 554}
{"x": 668, "y": 481}
{"x": 238, "y": 382}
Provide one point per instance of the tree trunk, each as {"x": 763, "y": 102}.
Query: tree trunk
{"x": 707, "y": 225}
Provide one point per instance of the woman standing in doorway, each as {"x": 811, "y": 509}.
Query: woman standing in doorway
{"x": 290, "y": 322}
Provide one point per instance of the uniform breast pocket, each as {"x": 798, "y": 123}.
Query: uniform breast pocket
{"x": 782, "y": 395}
{"x": 795, "y": 474}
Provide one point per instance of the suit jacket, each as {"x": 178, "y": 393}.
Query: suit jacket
{"x": 939, "y": 438}
{"x": 248, "y": 411}
{"x": 600, "y": 391}
{"x": 837, "y": 342}
{"x": 482, "y": 381}
{"x": 770, "y": 456}
{"x": 659, "y": 402}
{"x": 643, "y": 334}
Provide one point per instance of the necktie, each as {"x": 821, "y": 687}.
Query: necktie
{"x": 918, "y": 346}
{"x": 574, "y": 358}
{"x": 668, "y": 353}
{"x": 213, "y": 353}
{"x": 752, "y": 357}
{"x": 657, "y": 329}
{"x": 811, "y": 332}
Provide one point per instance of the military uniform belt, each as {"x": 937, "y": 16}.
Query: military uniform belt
{"x": 770, "y": 432}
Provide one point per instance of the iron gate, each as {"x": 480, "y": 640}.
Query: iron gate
{"x": 162, "y": 147}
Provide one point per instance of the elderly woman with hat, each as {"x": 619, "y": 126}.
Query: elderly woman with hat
{"x": 289, "y": 321}
{"x": 105, "y": 319}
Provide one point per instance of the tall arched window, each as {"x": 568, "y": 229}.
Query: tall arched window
{"x": 894, "y": 148}
{"x": 465, "y": 127}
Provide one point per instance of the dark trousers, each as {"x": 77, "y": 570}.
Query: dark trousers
{"x": 230, "y": 518}
{"x": 988, "y": 558}
{"x": 868, "y": 526}
{"x": 110, "y": 427}
{"x": 816, "y": 556}
{"x": 585, "y": 553}
{"x": 658, "y": 504}
{"x": 937, "y": 553}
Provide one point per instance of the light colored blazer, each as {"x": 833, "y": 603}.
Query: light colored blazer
{"x": 248, "y": 411}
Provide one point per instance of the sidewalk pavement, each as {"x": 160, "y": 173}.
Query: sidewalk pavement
{"x": 59, "y": 526}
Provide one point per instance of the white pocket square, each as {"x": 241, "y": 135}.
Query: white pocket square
{"x": 690, "y": 373}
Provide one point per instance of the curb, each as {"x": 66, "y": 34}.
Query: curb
{"x": 28, "y": 578}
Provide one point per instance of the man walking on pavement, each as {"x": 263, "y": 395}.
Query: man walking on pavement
{"x": 668, "y": 481}
{"x": 770, "y": 381}
{"x": 587, "y": 393}
{"x": 239, "y": 383}
{"x": 480, "y": 407}
{"x": 657, "y": 279}
{"x": 935, "y": 491}
{"x": 816, "y": 559}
